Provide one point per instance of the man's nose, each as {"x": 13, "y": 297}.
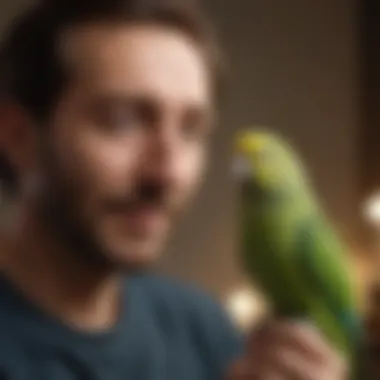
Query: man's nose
{"x": 162, "y": 156}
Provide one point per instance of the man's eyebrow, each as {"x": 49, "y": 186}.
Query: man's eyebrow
{"x": 121, "y": 97}
{"x": 131, "y": 96}
{"x": 205, "y": 111}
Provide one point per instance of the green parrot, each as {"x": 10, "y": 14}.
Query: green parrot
{"x": 289, "y": 249}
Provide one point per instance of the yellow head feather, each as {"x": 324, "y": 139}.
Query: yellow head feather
{"x": 271, "y": 160}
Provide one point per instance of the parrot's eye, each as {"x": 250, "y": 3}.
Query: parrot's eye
{"x": 241, "y": 168}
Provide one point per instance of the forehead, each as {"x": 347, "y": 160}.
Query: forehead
{"x": 139, "y": 58}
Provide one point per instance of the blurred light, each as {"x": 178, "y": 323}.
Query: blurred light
{"x": 245, "y": 307}
{"x": 372, "y": 209}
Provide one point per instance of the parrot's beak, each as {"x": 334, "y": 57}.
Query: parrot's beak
{"x": 241, "y": 168}
{"x": 244, "y": 176}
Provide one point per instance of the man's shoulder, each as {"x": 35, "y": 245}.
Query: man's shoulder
{"x": 188, "y": 308}
{"x": 185, "y": 297}
{"x": 167, "y": 286}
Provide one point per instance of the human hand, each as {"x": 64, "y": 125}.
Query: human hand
{"x": 289, "y": 351}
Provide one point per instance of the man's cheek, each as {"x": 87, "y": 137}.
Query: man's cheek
{"x": 108, "y": 165}
{"x": 190, "y": 177}
{"x": 88, "y": 172}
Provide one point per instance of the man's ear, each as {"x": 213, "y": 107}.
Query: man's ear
{"x": 17, "y": 136}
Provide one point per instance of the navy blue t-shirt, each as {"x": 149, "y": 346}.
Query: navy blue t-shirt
{"x": 167, "y": 331}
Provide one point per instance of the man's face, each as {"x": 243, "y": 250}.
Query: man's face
{"x": 126, "y": 143}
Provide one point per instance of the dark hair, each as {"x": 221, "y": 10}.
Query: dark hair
{"x": 31, "y": 74}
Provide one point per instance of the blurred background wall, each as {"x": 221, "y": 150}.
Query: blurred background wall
{"x": 296, "y": 67}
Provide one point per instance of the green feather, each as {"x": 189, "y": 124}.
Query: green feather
{"x": 288, "y": 248}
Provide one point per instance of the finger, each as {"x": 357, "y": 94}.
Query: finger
{"x": 305, "y": 338}
{"x": 245, "y": 369}
{"x": 293, "y": 363}
{"x": 268, "y": 375}
{"x": 310, "y": 340}
{"x": 284, "y": 336}
{"x": 295, "y": 367}
{"x": 241, "y": 370}
{"x": 285, "y": 364}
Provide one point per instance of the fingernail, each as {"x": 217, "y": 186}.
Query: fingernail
{"x": 305, "y": 323}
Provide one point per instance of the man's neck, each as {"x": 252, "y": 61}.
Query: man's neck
{"x": 56, "y": 281}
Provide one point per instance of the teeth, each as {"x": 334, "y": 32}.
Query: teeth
{"x": 241, "y": 168}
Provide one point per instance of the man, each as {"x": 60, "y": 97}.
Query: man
{"x": 108, "y": 107}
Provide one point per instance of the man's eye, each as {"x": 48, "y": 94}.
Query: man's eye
{"x": 121, "y": 117}
{"x": 118, "y": 118}
{"x": 195, "y": 128}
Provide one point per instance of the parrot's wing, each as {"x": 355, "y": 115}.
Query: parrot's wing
{"x": 320, "y": 260}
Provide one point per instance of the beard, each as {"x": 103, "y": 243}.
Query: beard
{"x": 65, "y": 210}
{"x": 59, "y": 211}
